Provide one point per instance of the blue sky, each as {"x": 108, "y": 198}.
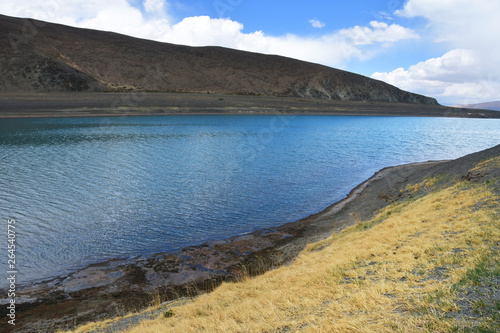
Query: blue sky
{"x": 446, "y": 49}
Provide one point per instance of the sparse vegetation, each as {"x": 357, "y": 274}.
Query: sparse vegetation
{"x": 428, "y": 265}
{"x": 427, "y": 184}
{"x": 168, "y": 314}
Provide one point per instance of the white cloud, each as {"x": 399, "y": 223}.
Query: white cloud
{"x": 455, "y": 65}
{"x": 461, "y": 21}
{"x": 470, "y": 71}
{"x": 333, "y": 49}
{"x": 454, "y": 78}
{"x": 378, "y": 32}
{"x": 317, "y": 24}
{"x": 153, "y": 6}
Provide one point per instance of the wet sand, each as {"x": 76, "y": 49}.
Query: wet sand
{"x": 25, "y": 105}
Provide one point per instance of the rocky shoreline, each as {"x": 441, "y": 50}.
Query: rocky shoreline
{"x": 118, "y": 286}
{"x": 35, "y": 105}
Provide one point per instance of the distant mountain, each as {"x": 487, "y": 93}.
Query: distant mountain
{"x": 485, "y": 106}
{"x": 36, "y": 56}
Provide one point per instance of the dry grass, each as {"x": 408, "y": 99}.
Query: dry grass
{"x": 398, "y": 272}
{"x": 490, "y": 164}
{"x": 427, "y": 184}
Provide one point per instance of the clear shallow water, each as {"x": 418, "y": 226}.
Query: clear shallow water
{"x": 84, "y": 190}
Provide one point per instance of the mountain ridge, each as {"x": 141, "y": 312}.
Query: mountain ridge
{"x": 37, "y": 56}
{"x": 494, "y": 105}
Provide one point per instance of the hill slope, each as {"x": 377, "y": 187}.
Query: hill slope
{"x": 495, "y": 106}
{"x": 416, "y": 230}
{"x": 39, "y": 56}
{"x": 428, "y": 262}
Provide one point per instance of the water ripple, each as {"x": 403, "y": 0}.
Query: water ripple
{"x": 85, "y": 190}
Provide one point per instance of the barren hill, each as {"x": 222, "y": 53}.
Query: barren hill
{"x": 495, "y": 106}
{"x": 36, "y": 56}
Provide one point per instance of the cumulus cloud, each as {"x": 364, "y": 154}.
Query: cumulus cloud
{"x": 378, "y": 32}
{"x": 317, "y": 24}
{"x": 333, "y": 49}
{"x": 470, "y": 71}
{"x": 457, "y": 21}
{"x": 154, "y": 6}
{"x": 454, "y": 78}
{"x": 455, "y": 65}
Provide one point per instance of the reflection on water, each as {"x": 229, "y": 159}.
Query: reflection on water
{"x": 88, "y": 189}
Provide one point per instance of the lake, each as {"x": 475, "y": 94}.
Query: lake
{"x": 84, "y": 190}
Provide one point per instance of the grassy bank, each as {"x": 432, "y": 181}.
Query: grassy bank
{"x": 429, "y": 262}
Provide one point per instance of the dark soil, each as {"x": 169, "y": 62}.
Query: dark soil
{"x": 22, "y": 105}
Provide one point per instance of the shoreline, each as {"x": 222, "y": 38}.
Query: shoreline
{"x": 50, "y": 105}
{"x": 95, "y": 292}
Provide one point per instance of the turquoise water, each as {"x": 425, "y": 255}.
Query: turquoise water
{"x": 84, "y": 190}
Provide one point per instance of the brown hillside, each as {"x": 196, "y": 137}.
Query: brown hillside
{"x": 37, "y": 56}
{"x": 495, "y": 106}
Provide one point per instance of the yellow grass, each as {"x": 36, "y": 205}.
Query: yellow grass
{"x": 490, "y": 164}
{"x": 377, "y": 276}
